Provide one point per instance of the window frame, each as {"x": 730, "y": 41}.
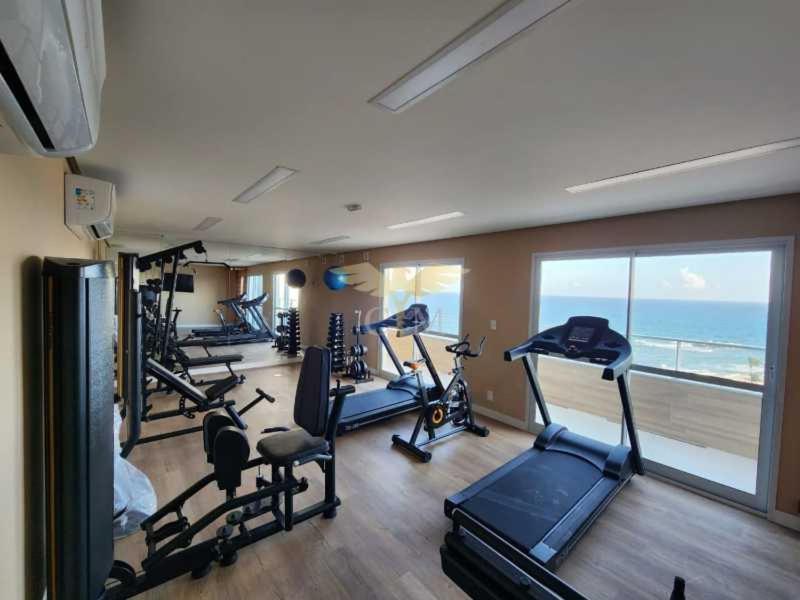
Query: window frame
{"x": 648, "y": 251}
{"x": 428, "y": 332}
{"x": 275, "y": 306}
{"x": 430, "y": 263}
{"x": 773, "y": 391}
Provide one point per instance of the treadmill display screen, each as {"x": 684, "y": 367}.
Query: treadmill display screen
{"x": 581, "y": 335}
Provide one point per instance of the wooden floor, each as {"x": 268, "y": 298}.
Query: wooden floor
{"x": 385, "y": 541}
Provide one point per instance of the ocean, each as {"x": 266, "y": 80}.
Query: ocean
{"x": 692, "y": 328}
{"x": 699, "y": 325}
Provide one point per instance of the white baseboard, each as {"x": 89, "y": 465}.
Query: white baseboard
{"x": 786, "y": 519}
{"x": 498, "y": 416}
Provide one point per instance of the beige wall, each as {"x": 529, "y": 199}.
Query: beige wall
{"x": 497, "y": 285}
{"x": 31, "y": 194}
{"x": 210, "y": 285}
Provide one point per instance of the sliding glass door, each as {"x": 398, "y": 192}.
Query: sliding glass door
{"x": 436, "y": 284}
{"x": 703, "y": 323}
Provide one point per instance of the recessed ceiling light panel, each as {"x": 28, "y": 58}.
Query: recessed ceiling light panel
{"x": 207, "y": 223}
{"x": 427, "y": 220}
{"x": 487, "y": 35}
{"x": 689, "y": 165}
{"x": 331, "y": 240}
{"x": 269, "y": 182}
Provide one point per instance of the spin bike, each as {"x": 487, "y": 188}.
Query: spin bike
{"x": 454, "y": 406}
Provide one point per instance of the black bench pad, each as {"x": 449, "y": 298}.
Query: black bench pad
{"x": 207, "y": 361}
{"x": 284, "y": 448}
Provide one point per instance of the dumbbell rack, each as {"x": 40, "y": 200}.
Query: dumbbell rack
{"x": 293, "y": 341}
{"x": 357, "y": 368}
{"x": 282, "y": 339}
{"x": 336, "y": 342}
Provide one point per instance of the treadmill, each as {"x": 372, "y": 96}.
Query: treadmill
{"x": 253, "y": 308}
{"x": 260, "y": 333}
{"x": 402, "y": 394}
{"x": 516, "y": 525}
{"x": 238, "y": 326}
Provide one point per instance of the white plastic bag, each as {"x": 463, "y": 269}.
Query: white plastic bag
{"x": 134, "y": 496}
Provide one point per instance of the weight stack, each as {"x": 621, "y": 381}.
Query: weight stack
{"x": 293, "y": 340}
{"x": 79, "y": 425}
{"x": 336, "y": 342}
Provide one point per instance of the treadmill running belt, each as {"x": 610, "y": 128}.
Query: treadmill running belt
{"x": 375, "y": 399}
{"x": 524, "y": 505}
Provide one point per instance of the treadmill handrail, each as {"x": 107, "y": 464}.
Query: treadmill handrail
{"x": 540, "y": 574}
{"x": 233, "y": 300}
{"x": 257, "y": 301}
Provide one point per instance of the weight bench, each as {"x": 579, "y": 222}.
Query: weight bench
{"x": 212, "y": 398}
{"x": 186, "y": 362}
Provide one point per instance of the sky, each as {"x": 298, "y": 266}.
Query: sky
{"x": 726, "y": 277}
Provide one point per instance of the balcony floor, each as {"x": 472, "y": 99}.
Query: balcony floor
{"x": 716, "y": 465}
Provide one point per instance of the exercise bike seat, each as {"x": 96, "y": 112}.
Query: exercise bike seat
{"x": 414, "y": 365}
{"x": 287, "y": 447}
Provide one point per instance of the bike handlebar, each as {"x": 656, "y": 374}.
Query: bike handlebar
{"x": 463, "y": 348}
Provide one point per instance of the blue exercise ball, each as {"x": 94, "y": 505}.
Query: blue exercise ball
{"x": 335, "y": 279}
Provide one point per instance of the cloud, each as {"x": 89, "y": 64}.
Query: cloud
{"x": 665, "y": 284}
{"x": 692, "y": 280}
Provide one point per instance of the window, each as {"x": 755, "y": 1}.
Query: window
{"x": 283, "y": 296}
{"x": 255, "y": 287}
{"x": 583, "y": 286}
{"x": 702, "y": 314}
{"x": 698, "y": 323}
{"x": 438, "y": 285}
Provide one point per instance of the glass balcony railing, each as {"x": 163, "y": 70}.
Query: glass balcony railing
{"x": 716, "y": 360}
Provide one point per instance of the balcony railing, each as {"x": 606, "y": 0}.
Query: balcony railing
{"x": 719, "y": 362}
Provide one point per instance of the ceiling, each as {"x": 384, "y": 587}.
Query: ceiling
{"x": 204, "y": 97}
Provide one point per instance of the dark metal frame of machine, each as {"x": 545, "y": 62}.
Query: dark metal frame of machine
{"x": 131, "y": 390}
{"x": 170, "y": 256}
{"x": 178, "y": 555}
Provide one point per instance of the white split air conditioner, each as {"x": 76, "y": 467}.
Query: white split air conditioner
{"x": 52, "y": 69}
{"x": 89, "y": 206}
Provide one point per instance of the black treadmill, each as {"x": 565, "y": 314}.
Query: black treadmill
{"x": 238, "y": 326}
{"x": 401, "y": 394}
{"x": 514, "y": 526}
{"x": 254, "y": 335}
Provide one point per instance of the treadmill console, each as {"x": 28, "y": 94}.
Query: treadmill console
{"x": 580, "y": 338}
{"x": 414, "y": 319}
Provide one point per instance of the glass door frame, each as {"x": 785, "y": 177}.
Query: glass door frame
{"x": 782, "y": 249}
{"x": 415, "y": 264}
